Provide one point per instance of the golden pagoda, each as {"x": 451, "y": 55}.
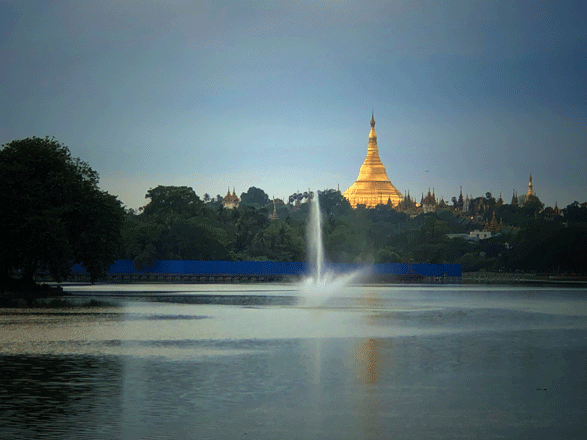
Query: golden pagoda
{"x": 372, "y": 187}
{"x": 530, "y": 197}
{"x": 231, "y": 201}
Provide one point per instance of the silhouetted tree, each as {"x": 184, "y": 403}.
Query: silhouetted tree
{"x": 575, "y": 213}
{"x": 165, "y": 200}
{"x": 53, "y": 214}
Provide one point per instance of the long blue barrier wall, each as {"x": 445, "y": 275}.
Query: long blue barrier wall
{"x": 189, "y": 267}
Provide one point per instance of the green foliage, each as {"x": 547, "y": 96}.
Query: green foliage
{"x": 255, "y": 197}
{"x": 176, "y": 225}
{"x": 575, "y": 213}
{"x": 456, "y": 248}
{"x": 53, "y": 213}
{"x": 196, "y": 239}
{"x": 333, "y": 203}
{"x": 278, "y": 242}
{"x": 532, "y": 206}
{"x": 168, "y": 200}
{"x": 248, "y": 222}
{"x": 341, "y": 243}
{"x": 472, "y": 262}
{"x": 549, "y": 247}
{"x": 433, "y": 228}
{"x": 388, "y": 255}
{"x": 511, "y": 215}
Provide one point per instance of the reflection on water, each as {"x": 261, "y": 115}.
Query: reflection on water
{"x": 368, "y": 355}
{"x": 407, "y": 363}
{"x": 53, "y": 397}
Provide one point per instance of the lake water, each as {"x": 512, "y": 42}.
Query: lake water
{"x": 245, "y": 362}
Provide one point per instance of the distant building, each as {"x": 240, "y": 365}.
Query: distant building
{"x": 514, "y": 199}
{"x": 530, "y": 196}
{"x": 466, "y": 204}
{"x": 499, "y": 202}
{"x": 407, "y": 205}
{"x": 428, "y": 203}
{"x": 459, "y": 203}
{"x": 274, "y": 215}
{"x": 372, "y": 187}
{"x": 231, "y": 201}
{"x": 480, "y": 235}
{"x": 493, "y": 226}
{"x": 550, "y": 213}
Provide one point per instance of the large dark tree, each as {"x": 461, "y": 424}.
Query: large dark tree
{"x": 167, "y": 200}
{"x": 575, "y": 213}
{"x": 52, "y": 212}
{"x": 255, "y": 197}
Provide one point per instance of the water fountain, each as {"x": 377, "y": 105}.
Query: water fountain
{"x": 321, "y": 283}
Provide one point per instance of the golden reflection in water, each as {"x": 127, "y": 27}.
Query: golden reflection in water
{"x": 371, "y": 355}
{"x": 368, "y": 360}
{"x": 368, "y": 352}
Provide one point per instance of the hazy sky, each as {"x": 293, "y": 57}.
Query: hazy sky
{"x": 279, "y": 94}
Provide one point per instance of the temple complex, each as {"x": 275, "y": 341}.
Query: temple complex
{"x": 428, "y": 203}
{"x": 231, "y": 201}
{"x": 372, "y": 187}
{"x": 514, "y": 198}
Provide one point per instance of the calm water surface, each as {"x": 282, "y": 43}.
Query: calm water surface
{"x": 229, "y": 361}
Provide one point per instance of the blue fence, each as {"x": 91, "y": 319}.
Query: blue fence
{"x": 189, "y": 267}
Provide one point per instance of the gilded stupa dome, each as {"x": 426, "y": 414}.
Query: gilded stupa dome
{"x": 372, "y": 187}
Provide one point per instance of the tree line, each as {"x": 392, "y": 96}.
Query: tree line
{"x": 55, "y": 215}
{"x": 176, "y": 224}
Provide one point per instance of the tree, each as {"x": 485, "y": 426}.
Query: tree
{"x": 250, "y": 222}
{"x": 511, "y": 215}
{"x": 53, "y": 214}
{"x": 575, "y": 213}
{"x": 255, "y": 196}
{"x": 532, "y": 206}
{"x": 278, "y": 242}
{"x": 332, "y": 202}
{"x": 165, "y": 200}
{"x": 387, "y": 255}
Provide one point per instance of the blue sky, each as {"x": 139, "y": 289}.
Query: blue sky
{"x": 279, "y": 94}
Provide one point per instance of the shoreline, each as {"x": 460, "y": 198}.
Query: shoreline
{"x": 523, "y": 278}
{"x": 49, "y": 289}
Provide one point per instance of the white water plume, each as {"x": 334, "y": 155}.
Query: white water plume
{"x": 321, "y": 284}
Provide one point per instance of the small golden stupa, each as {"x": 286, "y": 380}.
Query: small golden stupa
{"x": 372, "y": 187}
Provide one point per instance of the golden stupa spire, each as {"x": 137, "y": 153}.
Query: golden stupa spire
{"x": 372, "y": 134}
{"x": 372, "y": 186}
